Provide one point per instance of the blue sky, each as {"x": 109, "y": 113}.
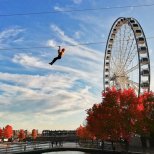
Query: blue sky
{"x": 34, "y": 94}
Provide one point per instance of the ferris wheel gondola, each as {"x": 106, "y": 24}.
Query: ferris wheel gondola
{"x": 126, "y": 60}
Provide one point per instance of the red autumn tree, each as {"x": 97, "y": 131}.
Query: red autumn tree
{"x": 21, "y": 135}
{"x": 1, "y": 133}
{"x": 34, "y": 133}
{"x": 120, "y": 115}
{"x": 145, "y": 115}
{"x": 95, "y": 121}
{"x": 128, "y": 102}
{"x": 135, "y": 115}
{"x": 113, "y": 118}
{"x": 79, "y": 131}
{"x": 8, "y": 132}
{"x": 83, "y": 133}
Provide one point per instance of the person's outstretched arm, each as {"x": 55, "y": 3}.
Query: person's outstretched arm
{"x": 59, "y": 50}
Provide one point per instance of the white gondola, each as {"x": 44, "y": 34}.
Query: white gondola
{"x": 135, "y": 26}
{"x": 107, "y": 63}
{"x": 107, "y": 57}
{"x": 112, "y": 36}
{"x": 110, "y": 46}
{"x": 114, "y": 31}
{"x": 132, "y": 21}
{"x": 106, "y": 82}
{"x": 138, "y": 32}
{"x": 118, "y": 25}
{"x": 106, "y": 70}
{"x": 111, "y": 40}
{"x": 145, "y": 72}
{"x": 144, "y": 61}
{"x": 145, "y": 84}
{"x": 140, "y": 40}
{"x": 142, "y": 50}
{"x": 108, "y": 52}
{"x": 123, "y": 20}
{"x": 106, "y": 76}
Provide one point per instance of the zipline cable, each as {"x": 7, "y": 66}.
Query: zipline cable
{"x": 77, "y": 10}
{"x": 73, "y": 45}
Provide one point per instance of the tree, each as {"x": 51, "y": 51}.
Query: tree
{"x": 34, "y": 133}
{"x": 83, "y": 133}
{"x": 118, "y": 106}
{"x": 114, "y": 119}
{"x": 1, "y": 133}
{"x": 21, "y": 135}
{"x": 145, "y": 122}
{"x": 79, "y": 131}
{"x": 121, "y": 114}
{"x": 8, "y": 132}
{"x": 95, "y": 121}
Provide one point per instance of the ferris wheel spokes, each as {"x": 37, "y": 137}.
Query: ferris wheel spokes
{"x": 132, "y": 69}
{"x": 126, "y": 61}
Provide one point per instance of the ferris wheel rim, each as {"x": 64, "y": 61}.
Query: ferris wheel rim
{"x": 128, "y": 22}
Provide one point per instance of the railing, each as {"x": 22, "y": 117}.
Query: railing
{"x": 12, "y": 148}
{"x": 7, "y": 148}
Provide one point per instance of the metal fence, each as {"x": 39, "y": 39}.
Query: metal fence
{"x": 21, "y": 147}
{"x": 7, "y": 148}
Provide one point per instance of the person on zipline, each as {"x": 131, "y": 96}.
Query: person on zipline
{"x": 60, "y": 54}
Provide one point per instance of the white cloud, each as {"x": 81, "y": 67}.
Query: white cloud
{"x": 45, "y": 97}
{"x": 77, "y": 34}
{"x": 42, "y": 97}
{"x": 52, "y": 43}
{"x": 92, "y": 69}
{"x": 77, "y": 1}
{"x": 81, "y": 50}
{"x": 11, "y": 35}
{"x": 57, "y": 8}
{"x": 28, "y": 61}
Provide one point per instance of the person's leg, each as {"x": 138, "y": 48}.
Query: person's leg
{"x": 54, "y": 60}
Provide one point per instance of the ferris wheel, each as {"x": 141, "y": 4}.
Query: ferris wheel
{"x": 126, "y": 59}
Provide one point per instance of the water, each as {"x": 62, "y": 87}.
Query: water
{"x": 67, "y": 152}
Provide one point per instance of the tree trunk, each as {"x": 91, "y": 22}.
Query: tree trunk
{"x": 143, "y": 141}
{"x": 102, "y": 145}
{"x": 126, "y": 146}
{"x": 113, "y": 147}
